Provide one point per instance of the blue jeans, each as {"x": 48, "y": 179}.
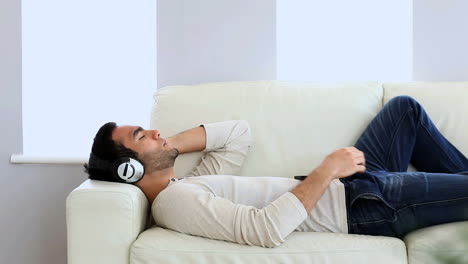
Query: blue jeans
{"x": 386, "y": 200}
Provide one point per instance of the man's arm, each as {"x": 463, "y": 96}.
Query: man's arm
{"x": 312, "y": 188}
{"x": 191, "y": 140}
{"x": 227, "y": 144}
{"x": 341, "y": 163}
{"x": 189, "y": 209}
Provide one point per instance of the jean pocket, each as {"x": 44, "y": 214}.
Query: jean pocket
{"x": 372, "y": 196}
{"x": 369, "y": 208}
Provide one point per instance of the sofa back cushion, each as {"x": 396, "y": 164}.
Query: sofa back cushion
{"x": 445, "y": 102}
{"x": 294, "y": 125}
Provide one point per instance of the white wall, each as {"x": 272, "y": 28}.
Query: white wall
{"x": 440, "y": 40}
{"x": 212, "y": 40}
{"x": 207, "y": 40}
{"x": 345, "y": 41}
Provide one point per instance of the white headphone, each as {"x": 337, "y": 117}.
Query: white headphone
{"x": 124, "y": 169}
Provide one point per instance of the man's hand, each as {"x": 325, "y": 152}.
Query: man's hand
{"x": 191, "y": 140}
{"x": 343, "y": 162}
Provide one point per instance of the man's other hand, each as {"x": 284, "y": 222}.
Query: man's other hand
{"x": 343, "y": 162}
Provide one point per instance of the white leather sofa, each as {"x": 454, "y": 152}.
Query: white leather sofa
{"x": 294, "y": 126}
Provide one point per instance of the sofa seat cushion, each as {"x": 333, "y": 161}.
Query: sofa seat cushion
{"x": 446, "y": 243}
{"x": 158, "y": 245}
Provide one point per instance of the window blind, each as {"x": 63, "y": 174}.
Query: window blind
{"x": 84, "y": 63}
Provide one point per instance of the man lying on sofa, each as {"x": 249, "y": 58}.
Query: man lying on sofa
{"x": 363, "y": 189}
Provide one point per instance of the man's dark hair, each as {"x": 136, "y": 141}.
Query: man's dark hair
{"x": 106, "y": 149}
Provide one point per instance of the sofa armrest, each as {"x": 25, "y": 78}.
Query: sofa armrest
{"x": 103, "y": 220}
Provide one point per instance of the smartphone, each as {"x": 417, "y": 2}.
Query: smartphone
{"x": 300, "y": 177}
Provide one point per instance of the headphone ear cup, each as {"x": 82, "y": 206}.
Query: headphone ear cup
{"x": 128, "y": 170}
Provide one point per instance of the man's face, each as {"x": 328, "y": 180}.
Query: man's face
{"x": 151, "y": 148}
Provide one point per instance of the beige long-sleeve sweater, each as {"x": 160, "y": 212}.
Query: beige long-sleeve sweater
{"x": 259, "y": 211}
